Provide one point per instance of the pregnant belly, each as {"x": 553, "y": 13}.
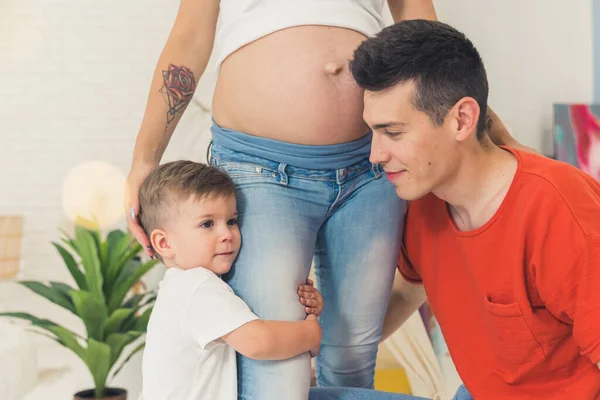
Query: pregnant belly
{"x": 293, "y": 85}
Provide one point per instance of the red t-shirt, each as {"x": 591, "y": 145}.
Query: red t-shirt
{"x": 518, "y": 299}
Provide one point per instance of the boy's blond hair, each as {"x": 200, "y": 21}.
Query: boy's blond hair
{"x": 171, "y": 183}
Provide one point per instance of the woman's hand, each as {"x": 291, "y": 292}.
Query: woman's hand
{"x": 137, "y": 174}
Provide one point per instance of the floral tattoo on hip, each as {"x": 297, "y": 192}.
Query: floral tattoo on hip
{"x": 178, "y": 89}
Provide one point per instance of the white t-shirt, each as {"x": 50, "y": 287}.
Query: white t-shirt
{"x": 184, "y": 358}
{"x": 244, "y": 21}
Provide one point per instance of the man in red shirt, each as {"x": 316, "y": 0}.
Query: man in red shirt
{"x": 506, "y": 244}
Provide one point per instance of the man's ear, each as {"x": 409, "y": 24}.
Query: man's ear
{"x": 160, "y": 243}
{"x": 466, "y": 113}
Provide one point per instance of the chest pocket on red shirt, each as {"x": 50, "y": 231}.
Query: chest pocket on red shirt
{"x": 516, "y": 348}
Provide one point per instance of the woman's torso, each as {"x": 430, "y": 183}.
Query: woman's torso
{"x": 278, "y": 87}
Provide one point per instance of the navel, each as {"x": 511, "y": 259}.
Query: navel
{"x": 333, "y": 68}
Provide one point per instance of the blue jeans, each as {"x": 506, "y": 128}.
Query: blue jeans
{"x": 462, "y": 394}
{"x": 334, "y": 393}
{"x": 350, "y": 221}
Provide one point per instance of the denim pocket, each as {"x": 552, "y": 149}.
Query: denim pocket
{"x": 245, "y": 172}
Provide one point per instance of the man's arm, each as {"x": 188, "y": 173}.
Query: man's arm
{"x": 406, "y": 298}
{"x": 275, "y": 340}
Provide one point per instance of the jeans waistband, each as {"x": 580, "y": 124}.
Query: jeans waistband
{"x": 333, "y": 156}
{"x": 224, "y": 157}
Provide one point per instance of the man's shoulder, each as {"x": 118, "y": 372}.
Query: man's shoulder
{"x": 560, "y": 191}
{"x": 558, "y": 175}
{"x": 566, "y": 183}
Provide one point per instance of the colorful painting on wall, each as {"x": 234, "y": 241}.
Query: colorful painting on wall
{"x": 577, "y": 136}
{"x": 596, "y": 27}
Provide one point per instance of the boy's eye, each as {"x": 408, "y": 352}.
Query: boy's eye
{"x": 232, "y": 221}
{"x": 207, "y": 224}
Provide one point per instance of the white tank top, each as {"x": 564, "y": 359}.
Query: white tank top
{"x": 244, "y": 21}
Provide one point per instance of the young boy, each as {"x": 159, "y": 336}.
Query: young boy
{"x": 188, "y": 211}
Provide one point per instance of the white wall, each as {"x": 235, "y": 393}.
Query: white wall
{"x": 536, "y": 52}
{"x": 74, "y": 76}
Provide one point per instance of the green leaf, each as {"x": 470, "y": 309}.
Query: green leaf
{"x": 116, "y": 319}
{"x": 104, "y": 263}
{"x": 141, "y": 323}
{"x": 118, "y": 242}
{"x": 150, "y": 297}
{"x": 44, "y": 334}
{"x": 98, "y": 245}
{"x": 133, "y": 301}
{"x": 69, "y": 241}
{"x": 92, "y": 312}
{"x": 64, "y": 289}
{"x": 118, "y": 341}
{"x": 136, "y": 350}
{"x": 43, "y": 323}
{"x": 72, "y": 266}
{"x": 63, "y": 335}
{"x": 52, "y": 294}
{"x": 68, "y": 339}
{"x": 98, "y": 362}
{"x": 123, "y": 249}
{"x": 91, "y": 264}
{"x": 120, "y": 263}
{"x": 129, "y": 276}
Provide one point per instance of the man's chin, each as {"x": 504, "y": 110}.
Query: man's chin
{"x": 409, "y": 195}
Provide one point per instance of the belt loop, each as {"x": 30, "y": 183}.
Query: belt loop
{"x": 283, "y": 178}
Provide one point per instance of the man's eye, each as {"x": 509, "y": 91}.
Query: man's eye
{"x": 393, "y": 134}
{"x": 207, "y": 224}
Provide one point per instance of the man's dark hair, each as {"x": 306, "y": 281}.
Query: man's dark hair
{"x": 442, "y": 62}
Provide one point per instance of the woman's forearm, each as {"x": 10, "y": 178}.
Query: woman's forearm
{"x": 179, "y": 67}
{"x": 412, "y": 9}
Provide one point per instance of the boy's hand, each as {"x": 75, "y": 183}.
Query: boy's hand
{"x": 311, "y": 298}
{"x": 315, "y": 350}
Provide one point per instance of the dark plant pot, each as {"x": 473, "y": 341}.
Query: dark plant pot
{"x": 109, "y": 394}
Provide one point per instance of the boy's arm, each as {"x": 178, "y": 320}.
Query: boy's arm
{"x": 406, "y": 298}
{"x": 275, "y": 340}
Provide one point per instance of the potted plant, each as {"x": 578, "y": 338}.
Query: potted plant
{"x": 104, "y": 271}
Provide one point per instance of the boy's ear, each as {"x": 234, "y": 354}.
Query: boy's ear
{"x": 160, "y": 243}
